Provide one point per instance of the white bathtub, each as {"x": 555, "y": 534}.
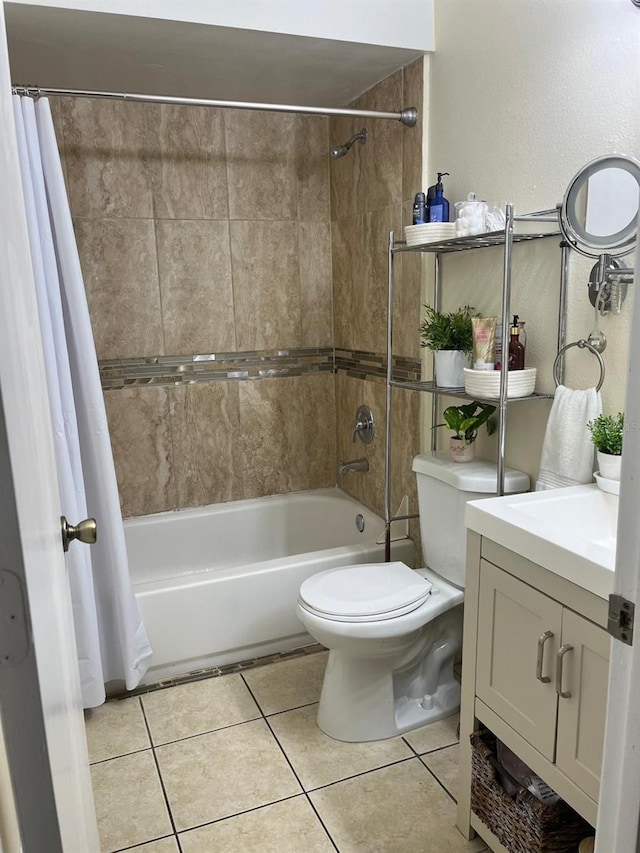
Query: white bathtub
{"x": 218, "y": 584}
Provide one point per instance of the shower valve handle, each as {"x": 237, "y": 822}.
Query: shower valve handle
{"x": 363, "y": 425}
{"x": 85, "y": 531}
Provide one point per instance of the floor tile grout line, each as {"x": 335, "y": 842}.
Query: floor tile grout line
{"x": 239, "y": 814}
{"x": 120, "y": 755}
{"x": 430, "y": 751}
{"x": 363, "y": 773}
{"x": 208, "y": 732}
{"x": 139, "y": 846}
{"x": 431, "y": 773}
{"x": 162, "y": 785}
{"x": 304, "y": 790}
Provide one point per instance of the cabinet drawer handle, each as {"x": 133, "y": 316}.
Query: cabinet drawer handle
{"x": 564, "y": 694}
{"x": 542, "y": 639}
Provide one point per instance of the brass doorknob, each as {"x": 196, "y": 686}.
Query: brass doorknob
{"x": 85, "y": 531}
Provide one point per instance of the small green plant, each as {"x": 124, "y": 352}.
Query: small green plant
{"x": 450, "y": 331}
{"x": 465, "y": 421}
{"x": 607, "y": 432}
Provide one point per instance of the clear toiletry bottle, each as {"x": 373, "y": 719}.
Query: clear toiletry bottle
{"x": 497, "y": 364}
{"x": 516, "y": 350}
{"x": 439, "y": 206}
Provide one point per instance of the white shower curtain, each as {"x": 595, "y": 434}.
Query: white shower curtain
{"x": 111, "y": 639}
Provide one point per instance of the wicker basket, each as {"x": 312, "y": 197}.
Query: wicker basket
{"x": 522, "y": 823}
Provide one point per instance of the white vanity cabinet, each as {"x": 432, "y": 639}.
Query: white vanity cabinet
{"x": 535, "y": 672}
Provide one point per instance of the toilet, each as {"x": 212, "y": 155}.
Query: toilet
{"x": 394, "y": 633}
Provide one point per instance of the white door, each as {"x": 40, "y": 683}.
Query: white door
{"x": 40, "y": 704}
{"x": 619, "y": 807}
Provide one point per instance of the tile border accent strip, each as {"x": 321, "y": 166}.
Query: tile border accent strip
{"x": 166, "y": 370}
{"x": 373, "y": 366}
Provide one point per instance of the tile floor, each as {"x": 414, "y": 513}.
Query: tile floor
{"x": 236, "y": 764}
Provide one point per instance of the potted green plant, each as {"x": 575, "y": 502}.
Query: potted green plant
{"x": 607, "y": 432}
{"x": 464, "y": 422}
{"x": 449, "y": 337}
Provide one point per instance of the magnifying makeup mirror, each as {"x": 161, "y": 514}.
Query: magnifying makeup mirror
{"x": 599, "y": 213}
{"x": 599, "y": 219}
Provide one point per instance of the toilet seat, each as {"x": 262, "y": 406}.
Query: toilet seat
{"x": 364, "y": 593}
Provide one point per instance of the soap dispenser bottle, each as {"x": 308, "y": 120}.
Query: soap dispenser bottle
{"x": 438, "y": 205}
{"x": 516, "y": 349}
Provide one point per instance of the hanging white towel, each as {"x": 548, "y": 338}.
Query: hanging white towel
{"x": 567, "y": 450}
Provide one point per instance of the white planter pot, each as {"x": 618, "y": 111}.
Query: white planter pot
{"x": 461, "y": 450}
{"x": 449, "y": 368}
{"x": 608, "y": 465}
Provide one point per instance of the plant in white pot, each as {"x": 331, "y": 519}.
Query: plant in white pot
{"x": 464, "y": 422}
{"x": 450, "y": 338}
{"x": 607, "y": 432}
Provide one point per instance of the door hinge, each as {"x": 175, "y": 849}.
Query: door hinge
{"x": 621, "y": 617}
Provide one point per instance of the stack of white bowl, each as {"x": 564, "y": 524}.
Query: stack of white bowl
{"x": 430, "y": 232}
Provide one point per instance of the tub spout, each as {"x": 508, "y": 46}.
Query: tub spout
{"x": 354, "y": 465}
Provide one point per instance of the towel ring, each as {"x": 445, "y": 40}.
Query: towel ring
{"x": 582, "y": 344}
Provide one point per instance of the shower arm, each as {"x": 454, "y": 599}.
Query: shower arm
{"x": 408, "y": 116}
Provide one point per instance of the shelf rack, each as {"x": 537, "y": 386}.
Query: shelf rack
{"x": 505, "y": 238}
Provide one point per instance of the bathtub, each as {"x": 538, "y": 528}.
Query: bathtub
{"x": 218, "y": 584}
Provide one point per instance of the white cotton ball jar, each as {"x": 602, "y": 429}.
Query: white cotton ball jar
{"x": 470, "y": 216}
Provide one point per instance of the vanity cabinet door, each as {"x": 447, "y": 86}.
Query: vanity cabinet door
{"x": 581, "y": 716}
{"x": 519, "y": 632}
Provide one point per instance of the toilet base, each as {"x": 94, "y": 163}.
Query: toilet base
{"x": 373, "y": 698}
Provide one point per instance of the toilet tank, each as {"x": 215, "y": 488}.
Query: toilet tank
{"x": 444, "y": 487}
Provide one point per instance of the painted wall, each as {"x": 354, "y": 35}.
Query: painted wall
{"x": 395, "y": 23}
{"x": 523, "y": 95}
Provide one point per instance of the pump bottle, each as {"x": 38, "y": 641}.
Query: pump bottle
{"x": 438, "y": 205}
{"x": 516, "y": 349}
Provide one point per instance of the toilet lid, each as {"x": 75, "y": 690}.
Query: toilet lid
{"x": 365, "y": 592}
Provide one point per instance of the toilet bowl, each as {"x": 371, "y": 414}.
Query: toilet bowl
{"x": 394, "y": 633}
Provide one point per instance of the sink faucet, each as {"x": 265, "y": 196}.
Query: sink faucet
{"x": 353, "y": 465}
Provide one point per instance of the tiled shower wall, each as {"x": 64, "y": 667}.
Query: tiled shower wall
{"x": 206, "y": 231}
{"x": 221, "y": 232}
{"x": 372, "y": 191}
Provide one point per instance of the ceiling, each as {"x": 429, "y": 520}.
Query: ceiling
{"x": 71, "y": 49}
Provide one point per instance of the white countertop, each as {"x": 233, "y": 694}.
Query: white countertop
{"x": 571, "y": 532}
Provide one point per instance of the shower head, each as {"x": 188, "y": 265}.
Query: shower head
{"x": 341, "y": 150}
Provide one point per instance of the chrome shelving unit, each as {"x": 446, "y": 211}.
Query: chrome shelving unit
{"x": 505, "y": 238}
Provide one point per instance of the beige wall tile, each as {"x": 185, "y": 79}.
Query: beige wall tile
{"x": 405, "y": 440}
{"x": 288, "y": 827}
{"x": 261, "y": 165}
{"x": 348, "y": 397}
{"x": 141, "y": 443}
{"x": 216, "y": 775}
{"x": 407, "y": 296}
{"x": 382, "y": 153}
{"x": 347, "y": 237}
{"x": 319, "y": 406}
{"x": 118, "y": 259}
{"x": 374, "y": 396}
{"x": 192, "y": 709}
{"x": 312, "y": 162}
{"x": 316, "y": 287}
{"x": 189, "y": 170}
{"x": 115, "y": 728}
{"x": 266, "y": 284}
{"x": 412, "y": 89}
{"x": 194, "y": 266}
{"x": 272, "y": 437}
{"x": 372, "y": 318}
{"x": 130, "y": 806}
{"x": 107, "y": 161}
{"x": 287, "y": 684}
{"x": 205, "y": 424}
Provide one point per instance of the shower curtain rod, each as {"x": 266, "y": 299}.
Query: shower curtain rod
{"x": 408, "y": 116}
